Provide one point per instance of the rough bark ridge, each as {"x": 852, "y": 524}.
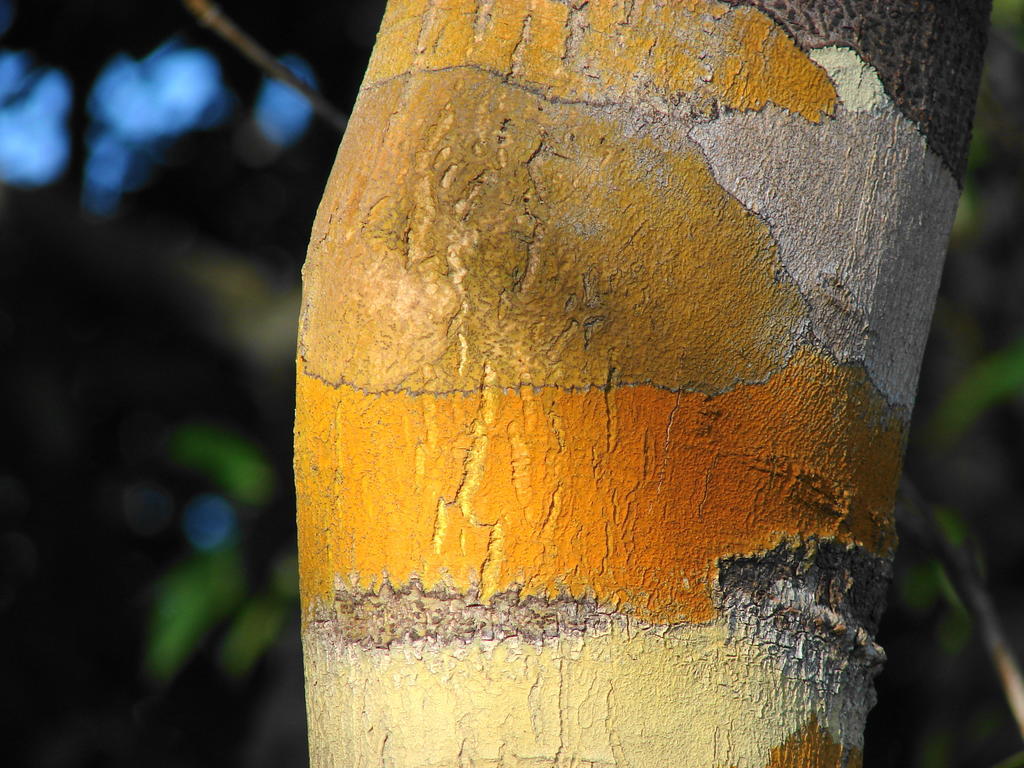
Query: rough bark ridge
{"x": 612, "y": 321}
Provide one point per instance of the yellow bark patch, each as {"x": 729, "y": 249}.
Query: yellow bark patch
{"x": 630, "y": 494}
{"x": 475, "y": 230}
{"x": 685, "y": 697}
{"x": 608, "y": 52}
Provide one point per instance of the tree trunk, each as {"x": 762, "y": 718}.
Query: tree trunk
{"x": 612, "y": 322}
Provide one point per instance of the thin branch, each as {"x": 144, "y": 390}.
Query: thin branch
{"x": 968, "y": 582}
{"x": 210, "y": 15}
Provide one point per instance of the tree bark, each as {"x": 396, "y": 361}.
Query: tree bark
{"x": 612, "y": 321}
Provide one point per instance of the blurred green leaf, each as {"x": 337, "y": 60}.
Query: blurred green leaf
{"x": 952, "y": 525}
{"x": 984, "y": 723}
{"x": 254, "y": 630}
{"x": 285, "y": 576}
{"x": 968, "y": 211}
{"x": 965, "y": 224}
{"x": 235, "y": 464}
{"x": 980, "y": 151}
{"x": 1013, "y": 761}
{"x": 948, "y": 591}
{"x": 954, "y": 631}
{"x": 992, "y": 380}
{"x": 1008, "y": 14}
{"x": 260, "y": 620}
{"x": 191, "y": 599}
{"x": 935, "y": 751}
{"x": 919, "y": 586}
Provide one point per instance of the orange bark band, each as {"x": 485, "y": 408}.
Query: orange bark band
{"x": 814, "y": 747}
{"x": 629, "y": 494}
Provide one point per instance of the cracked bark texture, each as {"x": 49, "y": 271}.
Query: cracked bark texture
{"x": 612, "y": 318}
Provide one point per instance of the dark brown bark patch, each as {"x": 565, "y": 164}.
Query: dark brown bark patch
{"x": 928, "y": 54}
{"x": 380, "y": 619}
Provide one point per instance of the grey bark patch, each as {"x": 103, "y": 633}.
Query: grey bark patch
{"x": 861, "y": 212}
{"x": 928, "y": 55}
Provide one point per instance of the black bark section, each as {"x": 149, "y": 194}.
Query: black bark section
{"x": 819, "y": 602}
{"x": 847, "y": 580}
{"x": 928, "y": 54}
{"x": 814, "y": 608}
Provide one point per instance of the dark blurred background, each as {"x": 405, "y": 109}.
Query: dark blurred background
{"x": 156, "y": 194}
